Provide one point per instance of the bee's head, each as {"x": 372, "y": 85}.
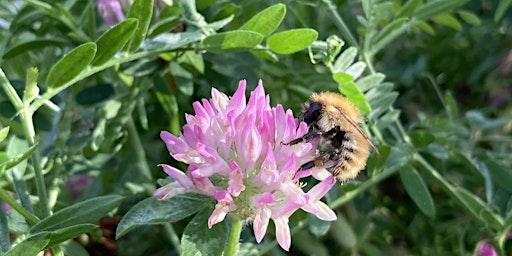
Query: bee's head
{"x": 312, "y": 112}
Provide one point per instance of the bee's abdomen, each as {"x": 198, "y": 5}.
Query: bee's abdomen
{"x": 352, "y": 156}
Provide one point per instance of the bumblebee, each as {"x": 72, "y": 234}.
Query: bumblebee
{"x": 333, "y": 122}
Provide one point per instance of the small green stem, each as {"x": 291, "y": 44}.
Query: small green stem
{"x": 234, "y": 237}
{"x": 338, "y": 21}
{"x": 30, "y": 135}
{"x": 140, "y": 153}
{"x": 171, "y": 233}
{"x": 17, "y": 207}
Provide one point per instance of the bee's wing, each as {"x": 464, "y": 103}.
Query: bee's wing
{"x": 354, "y": 124}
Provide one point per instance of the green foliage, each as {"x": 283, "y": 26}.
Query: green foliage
{"x": 82, "y": 104}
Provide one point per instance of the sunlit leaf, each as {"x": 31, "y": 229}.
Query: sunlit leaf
{"x": 448, "y": 20}
{"x": 291, "y": 41}
{"x": 266, "y": 21}
{"x": 142, "y": 10}
{"x": 3, "y": 133}
{"x": 71, "y": 65}
{"x": 348, "y": 88}
{"x": 113, "y": 40}
{"x": 232, "y": 40}
{"x": 469, "y": 17}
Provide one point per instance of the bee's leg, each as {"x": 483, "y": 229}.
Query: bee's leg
{"x": 307, "y": 165}
{"x": 306, "y": 137}
{"x": 318, "y": 162}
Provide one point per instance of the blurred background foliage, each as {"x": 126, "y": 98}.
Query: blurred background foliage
{"x": 435, "y": 74}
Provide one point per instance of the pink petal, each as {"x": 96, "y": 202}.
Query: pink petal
{"x": 265, "y": 198}
{"x": 319, "y": 191}
{"x": 173, "y": 143}
{"x": 219, "y": 101}
{"x": 223, "y": 196}
{"x": 179, "y": 176}
{"x": 218, "y": 215}
{"x": 268, "y": 175}
{"x": 236, "y": 180}
{"x": 249, "y": 145}
{"x": 237, "y": 103}
{"x": 294, "y": 193}
{"x": 260, "y": 223}
{"x": 283, "y": 233}
{"x": 170, "y": 190}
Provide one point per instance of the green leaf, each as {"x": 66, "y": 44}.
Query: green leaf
{"x": 15, "y": 160}
{"x": 501, "y": 175}
{"x": 382, "y": 104}
{"x": 370, "y": 81}
{"x": 71, "y": 65}
{"x": 448, "y": 20}
{"x": 176, "y": 40}
{"x": 198, "y": 239}
{"x": 165, "y": 96}
{"x": 345, "y": 59}
{"x": 375, "y": 164}
{"x": 113, "y": 40}
{"x": 479, "y": 209}
{"x": 31, "y": 46}
{"x": 437, "y": 7}
{"x": 88, "y": 211}
{"x": 451, "y": 105}
{"x": 16, "y": 149}
{"x": 72, "y": 247}
{"x": 421, "y": 139}
{"x": 3, "y": 133}
{"x": 503, "y": 5}
{"x": 469, "y": 17}
{"x": 426, "y": 27}
{"x": 345, "y": 235}
{"x": 291, "y": 41}
{"x": 162, "y": 26}
{"x": 142, "y": 10}
{"x": 183, "y": 79}
{"x": 192, "y": 61}
{"x": 151, "y": 211}
{"x": 348, "y": 88}
{"x": 266, "y": 21}
{"x": 388, "y": 118}
{"x": 389, "y": 33}
{"x": 408, "y": 8}
{"x": 356, "y": 69}
{"x": 232, "y": 40}
{"x": 317, "y": 226}
{"x": 61, "y": 235}
{"x": 417, "y": 190}
{"x": 30, "y": 246}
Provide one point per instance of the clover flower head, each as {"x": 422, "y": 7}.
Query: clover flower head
{"x": 236, "y": 152}
{"x": 113, "y": 11}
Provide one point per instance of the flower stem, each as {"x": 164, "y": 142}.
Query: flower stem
{"x": 11, "y": 202}
{"x": 234, "y": 237}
